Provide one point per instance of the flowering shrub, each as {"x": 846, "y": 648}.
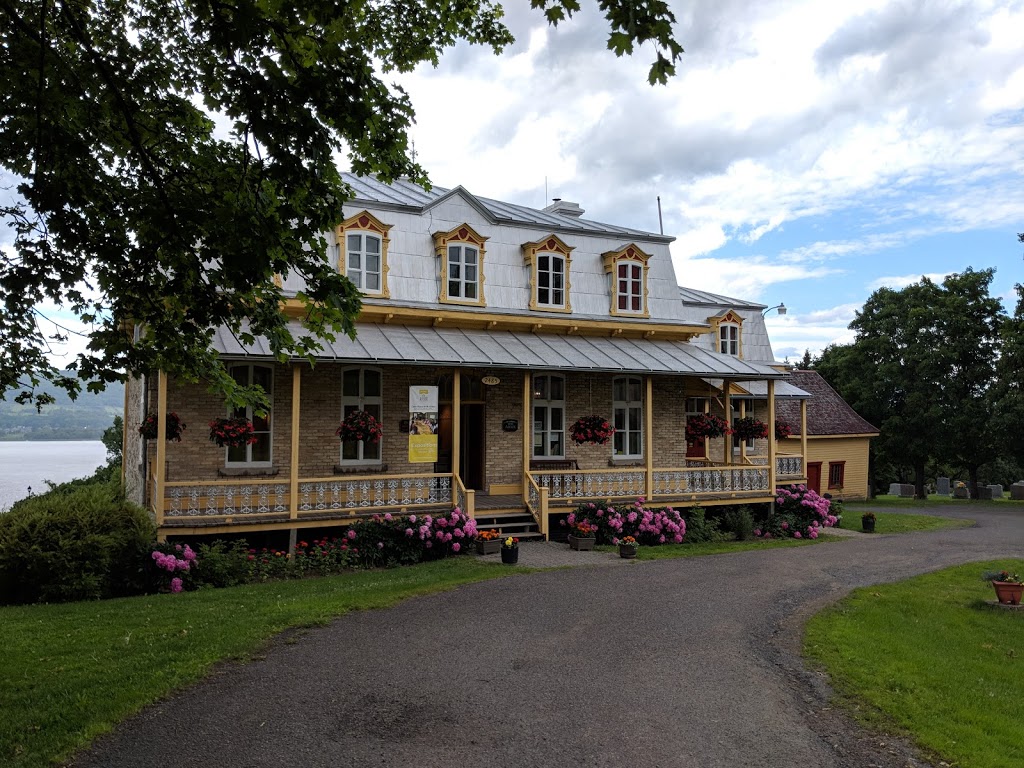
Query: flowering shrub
{"x": 799, "y": 513}
{"x": 782, "y": 430}
{"x": 174, "y": 559}
{"x": 510, "y": 543}
{"x": 1004, "y": 576}
{"x": 582, "y": 529}
{"x": 232, "y": 433}
{"x": 591, "y": 429}
{"x": 489, "y": 535}
{"x": 647, "y": 526}
{"x": 749, "y": 428}
{"x": 706, "y": 425}
{"x": 360, "y": 425}
{"x": 173, "y": 424}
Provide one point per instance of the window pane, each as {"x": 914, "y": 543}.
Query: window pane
{"x": 469, "y": 255}
{"x": 556, "y": 418}
{"x": 540, "y": 387}
{"x": 374, "y": 410}
{"x": 636, "y": 273}
{"x": 557, "y": 265}
{"x": 634, "y": 444}
{"x": 454, "y": 254}
{"x": 470, "y": 291}
{"x": 356, "y": 277}
{"x": 623, "y": 271}
{"x": 543, "y": 262}
{"x": 619, "y": 440}
{"x": 543, "y": 296}
{"x": 620, "y": 420}
{"x": 556, "y": 298}
{"x": 371, "y": 451}
{"x": 372, "y": 244}
{"x": 350, "y": 450}
{"x": 470, "y": 273}
{"x": 261, "y": 423}
{"x": 261, "y": 448}
{"x": 634, "y": 418}
{"x": 557, "y": 388}
{"x": 372, "y": 282}
{"x": 350, "y": 383}
{"x": 355, "y": 243}
{"x": 240, "y": 373}
{"x": 373, "y": 262}
{"x": 453, "y": 288}
{"x": 353, "y": 260}
{"x": 634, "y": 390}
{"x": 636, "y": 304}
{"x": 371, "y": 386}
{"x": 555, "y": 444}
{"x": 237, "y": 453}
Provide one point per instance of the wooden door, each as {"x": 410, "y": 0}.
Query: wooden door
{"x": 814, "y": 476}
{"x": 473, "y": 445}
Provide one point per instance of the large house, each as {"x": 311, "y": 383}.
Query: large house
{"x": 487, "y": 331}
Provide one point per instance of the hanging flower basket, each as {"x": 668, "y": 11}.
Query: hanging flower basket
{"x": 594, "y": 430}
{"x": 706, "y": 425}
{"x": 750, "y": 428}
{"x": 782, "y": 430}
{"x": 359, "y": 425}
{"x": 175, "y": 426}
{"x": 232, "y": 433}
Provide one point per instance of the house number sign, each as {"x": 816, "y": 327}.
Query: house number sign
{"x": 510, "y": 425}
{"x": 490, "y": 381}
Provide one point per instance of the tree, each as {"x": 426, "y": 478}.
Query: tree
{"x": 113, "y": 438}
{"x": 806, "y": 362}
{"x": 1009, "y": 394}
{"x": 135, "y": 212}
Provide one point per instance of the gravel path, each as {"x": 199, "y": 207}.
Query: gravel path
{"x": 689, "y": 662}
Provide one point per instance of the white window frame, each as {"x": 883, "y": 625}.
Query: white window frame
{"x": 634, "y": 286}
{"x": 359, "y": 402}
{"x": 360, "y": 272}
{"x": 547, "y": 406}
{"x": 622, "y": 434}
{"x": 729, "y": 339}
{"x": 461, "y": 281}
{"x": 551, "y": 274}
{"x": 248, "y": 413}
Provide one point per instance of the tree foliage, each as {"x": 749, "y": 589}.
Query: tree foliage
{"x": 173, "y": 158}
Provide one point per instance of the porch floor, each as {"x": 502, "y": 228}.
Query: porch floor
{"x": 504, "y": 501}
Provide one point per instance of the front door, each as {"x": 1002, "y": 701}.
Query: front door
{"x": 472, "y": 445}
{"x": 814, "y": 476}
{"x": 697, "y": 449}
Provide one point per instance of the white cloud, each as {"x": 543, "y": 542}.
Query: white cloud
{"x": 898, "y": 282}
{"x": 747, "y": 277}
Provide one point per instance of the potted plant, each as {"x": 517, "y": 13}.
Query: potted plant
{"x": 174, "y": 425}
{"x": 593, "y": 430}
{"x": 359, "y": 425}
{"x": 510, "y": 550}
{"x": 488, "y": 542}
{"x": 627, "y": 547}
{"x": 582, "y": 536}
{"x": 867, "y": 522}
{"x": 782, "y": 430}
{"x": 749, "y": 428}
{"x": 706, "y": 425}
{"x": 232, "y": 433}
{"x": 1008, "y": 586}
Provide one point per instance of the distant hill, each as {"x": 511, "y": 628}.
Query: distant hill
{"x": 81, "y": 419}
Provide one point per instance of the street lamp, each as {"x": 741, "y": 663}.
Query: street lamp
{"x": 780, "y": 307}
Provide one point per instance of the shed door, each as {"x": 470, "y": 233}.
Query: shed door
{"x": 814, "y": 476}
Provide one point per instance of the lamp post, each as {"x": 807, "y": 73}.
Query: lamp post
{"x": 781, "y": 307}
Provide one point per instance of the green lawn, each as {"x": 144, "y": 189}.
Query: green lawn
{"x": 70, "y": 672}
{"x": 900, "y": 522}
{"x": 929, "y": 656}
{"x": 666, "y": 551}
{"x": 899, "y": 501}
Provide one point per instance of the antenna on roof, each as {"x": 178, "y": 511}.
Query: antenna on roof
{"x": 414, "y": 150}
{"x": 661, "y": 224}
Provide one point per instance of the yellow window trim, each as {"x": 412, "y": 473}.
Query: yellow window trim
{"x": 551, "y": 244}
{"x": 365, "y": 222}
{"x": 467, "y": 235}
{"x": 716, "y": 321}
{"x": 611, "y": 259}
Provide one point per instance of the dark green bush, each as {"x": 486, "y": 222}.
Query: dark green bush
{"x": 699, "y": 529}
{"x": 220, "y": 564}
{"x": 80, "y": 543}
{"x": 739, "y": 521}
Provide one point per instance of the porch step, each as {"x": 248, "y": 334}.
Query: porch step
{"x": 509, "y": 522}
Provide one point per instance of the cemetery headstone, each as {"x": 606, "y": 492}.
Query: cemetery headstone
{"x": 942, "y": 486}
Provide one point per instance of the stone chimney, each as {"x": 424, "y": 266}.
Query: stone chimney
{"x": 565, "y": 208}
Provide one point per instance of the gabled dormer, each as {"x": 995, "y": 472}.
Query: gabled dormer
{"x": 363, "y": 253}
{"x": 628, "y": 269}
{"x": 550, "y": 284}
{"x": 461, "y": 254}
{"x": 727, "y": 330}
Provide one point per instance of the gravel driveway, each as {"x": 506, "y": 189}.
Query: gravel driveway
{"x": 691, "y": 662}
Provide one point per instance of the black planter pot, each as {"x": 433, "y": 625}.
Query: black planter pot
{"x": 868, "y": 526}
{"x": 510, "y": 555}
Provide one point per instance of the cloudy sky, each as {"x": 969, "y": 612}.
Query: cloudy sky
{"x": 806, "y": 152}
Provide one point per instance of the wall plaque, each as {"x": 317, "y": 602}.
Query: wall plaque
{"x": 510, "y": 425}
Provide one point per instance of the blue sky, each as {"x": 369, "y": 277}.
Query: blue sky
{"x": 805, "y": 153}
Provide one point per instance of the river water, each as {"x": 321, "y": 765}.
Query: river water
{"x": 27, "y": 464}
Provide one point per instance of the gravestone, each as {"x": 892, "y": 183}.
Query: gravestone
{"x": 961, "y": 492}
{"x": 907, "y": 490}
{"x": 997, "y": 491}
{"x": 1017, "y": 491}
{"x": 942, "y": 486}
{"x": 985, "y": 492}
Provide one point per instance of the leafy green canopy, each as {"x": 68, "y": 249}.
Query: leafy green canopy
{"x": 133, "y": 211}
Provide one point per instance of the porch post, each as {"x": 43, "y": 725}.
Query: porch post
{"x": 456, "y": 421}
{"x": 161, "y": 446}
{"x": 727, "y": 404}
{"x": 743, "y": 443}
{"x": 649, "y": 438}
{"x": 771, "y": 435}
{"x": 803, "y": 436}
{"x": 294, "y": 485}
{"x": 527, "y": 435}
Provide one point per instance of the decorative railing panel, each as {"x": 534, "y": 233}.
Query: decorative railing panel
{"x": 710, "y": 480}
{"x": 789, "y": 466}
{"x": 596, "y": 484}
{"x": 364, "y": 494}
{"x": 226, "y": 499}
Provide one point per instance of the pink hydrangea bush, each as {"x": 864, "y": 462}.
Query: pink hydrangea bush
{"x": 175, "y": 559}
{"x": 800, "y": 513}
{"x": 648, "y": 526}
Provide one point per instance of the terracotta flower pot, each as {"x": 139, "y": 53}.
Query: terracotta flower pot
{"x": 582, "y": 544}
{"x": 1008, "y": 592}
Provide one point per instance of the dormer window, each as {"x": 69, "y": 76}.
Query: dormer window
{"x": 363, "y": 253}
{"x": 728, "y": 333}
{"x": 628, "y": 269}
{"x": 461, "y": 252}
{"x": 549, "y": 261}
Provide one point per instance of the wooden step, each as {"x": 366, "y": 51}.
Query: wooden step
{"x": 510, "y": 522}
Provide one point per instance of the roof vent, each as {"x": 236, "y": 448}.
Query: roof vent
{"x": 565, "y": 208}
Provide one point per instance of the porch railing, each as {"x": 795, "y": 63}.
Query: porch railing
{"x": 786, "y": 465}
{"x": 592, "y": 483}
{"x": 352, "y": 495}
{"x": 537, "y": 503}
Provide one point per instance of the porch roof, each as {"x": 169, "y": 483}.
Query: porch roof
{"x": 417, "y": 345}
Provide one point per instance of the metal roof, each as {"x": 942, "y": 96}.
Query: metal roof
{"x": 693, "y": 296}
{"x": 759, "y": 390}
{"x": 405, "y": 194}
{"x": 420, "y": 345}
